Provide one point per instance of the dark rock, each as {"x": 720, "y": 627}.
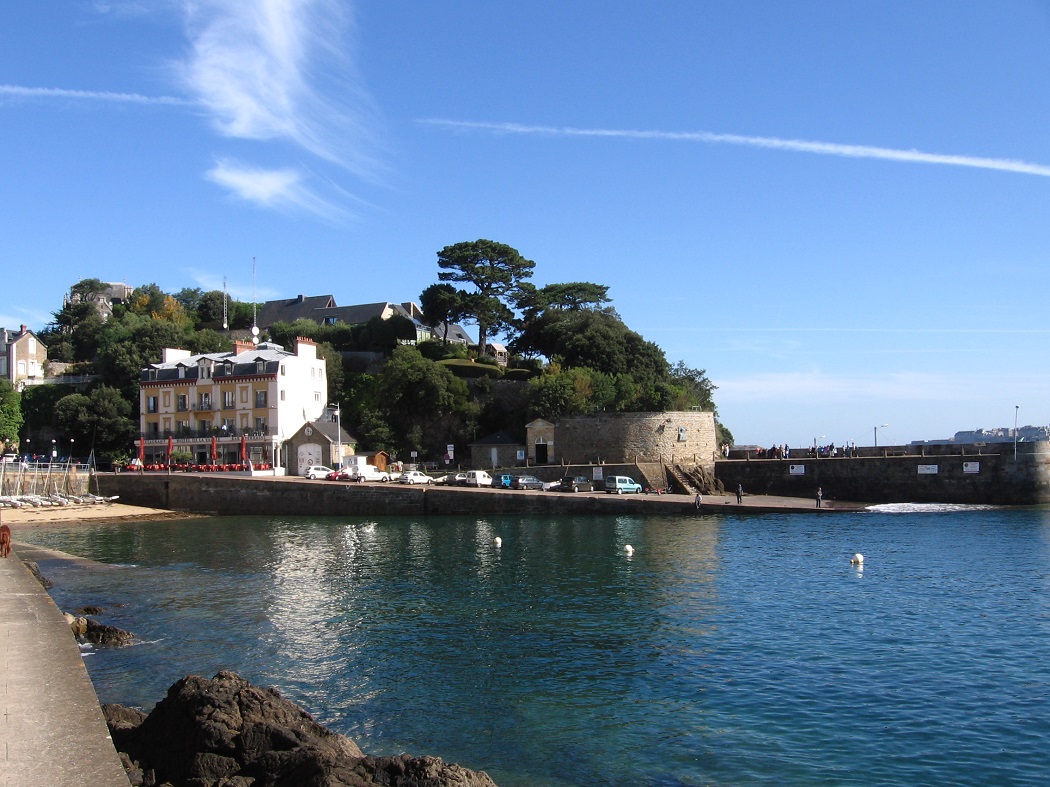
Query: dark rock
{"x": 225, "y": 732}
{"x": 34, "y": 569}
{"x": 101, "y": 634}
{"x": 89, "y": 611}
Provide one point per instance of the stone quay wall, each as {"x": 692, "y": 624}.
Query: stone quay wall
{"x": 678, "y": 437}
{"x": 206, "y": 493}
{"x": 970, "y": 474}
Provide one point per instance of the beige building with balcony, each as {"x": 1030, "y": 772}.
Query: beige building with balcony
{"x": 225, "y": 408}
{"x": 22, "y": 358}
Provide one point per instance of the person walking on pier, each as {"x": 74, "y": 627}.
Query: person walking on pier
{"x": 739, "y": 493}
{"x": 820, "y": 496}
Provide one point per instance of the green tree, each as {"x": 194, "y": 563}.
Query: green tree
{"x": 495, "y": 270}
{"x": 442, "y": 304}
{"x": 210, "y": 309}
{"x": 85, "y": 288}
{"x": 10, "y": 412}
{"x": 420, "y": 399}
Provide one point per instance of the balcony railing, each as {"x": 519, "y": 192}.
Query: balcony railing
{"x": 230, "y": 433}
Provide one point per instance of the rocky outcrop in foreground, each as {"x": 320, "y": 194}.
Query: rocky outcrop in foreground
{"x": 225, "y": 732}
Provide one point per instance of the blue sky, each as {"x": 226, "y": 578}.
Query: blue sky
{"x": 839, "y": 210}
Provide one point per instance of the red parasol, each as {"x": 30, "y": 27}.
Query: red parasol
{"x": 244, "y": 448}
{"x": 171, "y": 447}
{"x": 142, "y": 451}
{"x": 214, "y": 448}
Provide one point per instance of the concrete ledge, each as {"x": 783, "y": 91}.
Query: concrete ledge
{"x": 50, "y": 721}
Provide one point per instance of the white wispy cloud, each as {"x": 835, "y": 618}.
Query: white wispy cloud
{"x": 280, "y": 189}
{"x": 775, "y": 143}
{"x": 89, "y": 95}
{"x": 257, "y": 70}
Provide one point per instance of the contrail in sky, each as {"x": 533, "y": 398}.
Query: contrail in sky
{"x": 795, "y": 145}
{"x": 93, "y": 95}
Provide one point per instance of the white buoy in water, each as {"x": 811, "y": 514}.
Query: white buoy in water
{"x": 629, "y": 549}
{"x": 498, "y": 542}
{"x": 857, "y": 560}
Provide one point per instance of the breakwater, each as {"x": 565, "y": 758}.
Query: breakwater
{"x": 972, "y": 474}
{"x": 266, "y": 495}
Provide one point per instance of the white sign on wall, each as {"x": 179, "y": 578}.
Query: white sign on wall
{"x": 971, "y": 467}
{"x": 928, "y": 469}
{"x": 797, "y": 469}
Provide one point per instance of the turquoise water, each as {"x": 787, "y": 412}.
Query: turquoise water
{"x": 724, "y": 651}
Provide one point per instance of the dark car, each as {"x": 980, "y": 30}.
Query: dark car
{"x": 579, "y": 483}
{"x": 526, "y": 482}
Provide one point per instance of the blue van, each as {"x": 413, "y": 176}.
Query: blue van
{"x": 621, "y": 484}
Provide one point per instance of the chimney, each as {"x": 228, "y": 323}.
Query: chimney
{"x": 25, "y": 330}
{"x": 305, "y": 348}
{"x": 240, "y": 346}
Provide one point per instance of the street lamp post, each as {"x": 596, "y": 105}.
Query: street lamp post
{"x": 338, "y": 438}
{"x": 877, "y": 428}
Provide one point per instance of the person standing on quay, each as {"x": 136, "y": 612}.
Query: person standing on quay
{"x": 820, "y": 496}
{"x": 739, "y": 493}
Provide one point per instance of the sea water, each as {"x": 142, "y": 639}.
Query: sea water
{"x": 725, "y": 650}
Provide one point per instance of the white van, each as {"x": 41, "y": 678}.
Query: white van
{"x": 478, "y": 478}
{"x": 619, "y": 484}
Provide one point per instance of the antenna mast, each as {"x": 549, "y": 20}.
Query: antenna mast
{"x": 255, "y": 308}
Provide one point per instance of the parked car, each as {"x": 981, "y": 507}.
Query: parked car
{"x": 504, "y": 481}
{"x": 619, "y": 484}
{"x": 478, "y": 478}
{"x": 526, "y": 482}
{"x": 452, "y": 479}
{"x": 414, "y": 477}
{"x": 313, "y": 472}
{"x": 368, "y": 473}
{"x": 576, "y": 483}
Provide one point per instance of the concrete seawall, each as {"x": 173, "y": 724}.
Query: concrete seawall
{"x": 972, "y": 474}
{"x": 268, "y": 496}
{"x": 52, "y": 725}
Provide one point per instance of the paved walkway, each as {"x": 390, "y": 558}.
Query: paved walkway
{"x": 53, "y": 732}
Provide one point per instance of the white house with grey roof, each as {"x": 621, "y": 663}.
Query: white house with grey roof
{"x": 245, "y": 403}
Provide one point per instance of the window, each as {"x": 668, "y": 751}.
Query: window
{"x": 317, "y": 396}
{"x": 205, "y": 370}
{"x": 260, "y": 424}
{"x": 260, "y": 398}
{"x": 282, "y": 370}
{"x": 32, "y": 346}
{"x": 151, "y": 374}
{"x": 260, "y": 367}
{"x": 152, "y": 429}
{"x": 229, "y": 368}
{"x": 204, "y": 426}
{"x": 151, "y": 404}
{"x": 282, "y": 394}
{"x": 180, "y": 402}
{"x": 182, "y": 372}
{"x": 182, "y": 427}
{"x": 228, "y": 400}
{"x": 204, "y": 401}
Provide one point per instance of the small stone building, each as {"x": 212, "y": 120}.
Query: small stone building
{"x": 316, "y": 443}
{"x": 539, "y": 437}
{"x": 500, "y": 449}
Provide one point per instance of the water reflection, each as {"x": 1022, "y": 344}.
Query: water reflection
{"x": 724, "y": 650}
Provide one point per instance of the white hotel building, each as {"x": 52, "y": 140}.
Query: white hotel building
{"x": 249, "y": 400}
